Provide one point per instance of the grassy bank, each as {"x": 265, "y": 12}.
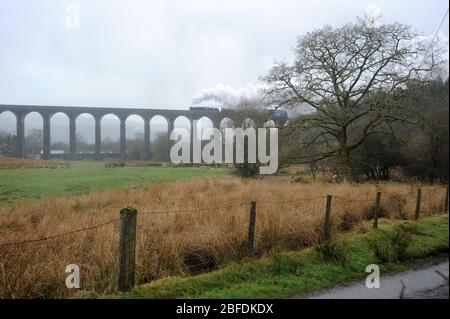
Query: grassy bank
{"x": 79, "y": 178}
{"x": 394, "y": 246}
{"x": 183, "y": 228}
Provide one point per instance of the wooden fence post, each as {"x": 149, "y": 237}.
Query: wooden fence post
{"x": 377, "y": 210}
{"x": 446, "y": 200}
{"x": 418, "y": 200}
{"x": 127, "y": 248}
{"x": 251, "y": 230}
{"x": 327, "y": 226}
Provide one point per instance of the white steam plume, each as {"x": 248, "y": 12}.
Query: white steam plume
{"x": 222, "y": 95}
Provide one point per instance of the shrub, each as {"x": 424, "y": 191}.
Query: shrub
{"x": 401, "y": 240}
{"x": 395, "y": 249}
{"x": 348, "y": 221}
{"x": 200, "y": 260}
{"x": 114, "y": 164}
{"x": 246, "y": 169}
{"x": 300, "y": 179}
{"x": 284, "y": 264}
{"x": 369, "y": 212}
{"x": 335, "y": 251}
{"x": 382, "y": 249}
{"x": 398, "y": 203}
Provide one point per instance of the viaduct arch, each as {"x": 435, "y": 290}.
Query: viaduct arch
{"x": 72, "y": 112}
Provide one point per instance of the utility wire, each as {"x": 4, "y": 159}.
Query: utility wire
{"x": 436, "y": 34}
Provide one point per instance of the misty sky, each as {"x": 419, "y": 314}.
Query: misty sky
{"x": 162, "y": 54}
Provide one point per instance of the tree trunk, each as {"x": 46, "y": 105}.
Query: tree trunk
{"x": 346, "y": 167}
{"x": 431, "y": 178}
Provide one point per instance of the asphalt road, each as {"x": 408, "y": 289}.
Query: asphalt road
{"x": 429, "y": 281}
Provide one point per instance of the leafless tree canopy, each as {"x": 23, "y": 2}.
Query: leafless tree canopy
{"x": 353, "y": 77}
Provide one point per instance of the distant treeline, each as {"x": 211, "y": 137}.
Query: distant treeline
{"x": 135, "y": 146}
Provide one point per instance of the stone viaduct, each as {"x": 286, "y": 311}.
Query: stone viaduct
{"x": 20, "y": 112}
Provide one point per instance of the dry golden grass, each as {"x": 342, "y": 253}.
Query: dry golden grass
{"x": 184, "y": 242}
{"x": 11, "y": 163}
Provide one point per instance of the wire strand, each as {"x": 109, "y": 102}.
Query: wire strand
{"x": 150, "y": 212}
{"x": 37, "y": 240}
{"x": 436, "y": 34}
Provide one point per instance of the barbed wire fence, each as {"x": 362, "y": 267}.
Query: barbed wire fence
{"x": 128, "y": 225}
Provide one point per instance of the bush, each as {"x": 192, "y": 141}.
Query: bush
{"x": 200, "y": 260}
{"x": 348, "y": 221}
{"x": 284, "y": 264}
{"x": 114, "y": 164}
{"x": 246, "y": 169}
{"x": 300, "y": 179}
{"x": 395, "y": 249}
{"x": 397, "y": 203}
{"x": 382, "y": 249}
{"x": 369, "y": 212}
{"x": 333, "y": 250}
{"x": 401, "y": 240}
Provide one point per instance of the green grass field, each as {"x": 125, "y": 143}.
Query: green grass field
{"x": 85, "y": 177}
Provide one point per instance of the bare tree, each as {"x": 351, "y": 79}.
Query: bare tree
{"x": 34, "y": 142}
{"x": 160, "y": 148}
{"x": 250, "y": 113}
{"x": 352, "y": 77}
{"x": 7, "y": 144}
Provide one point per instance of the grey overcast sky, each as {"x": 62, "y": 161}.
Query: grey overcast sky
{"x": 161, "y": 54}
